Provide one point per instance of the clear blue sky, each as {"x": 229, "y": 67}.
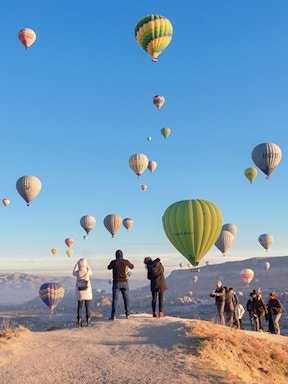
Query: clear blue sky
{"x": 78, "y": 104}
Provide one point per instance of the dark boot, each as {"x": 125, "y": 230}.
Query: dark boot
{"x": 88, "y": 319}
{"x": 79, "y": 322}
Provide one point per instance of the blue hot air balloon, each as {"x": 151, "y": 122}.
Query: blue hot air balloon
{"x": 51, "y": 294}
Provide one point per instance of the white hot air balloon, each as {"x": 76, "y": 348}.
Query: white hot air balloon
{"x": 112, "y": 223}
{"x": 87, "y": 222}
{"x": 267, "y": 157}
{"x": 224, "y": 241}
{"x": 28, "y": 187}
{"x": 144, "y": 187}
{"x": 247, "y": 275}
{"x": 128, "y": 223}
{"x": 230, "y": 228}
{"x": 195, "y": 279}
{"x": 265, "y": 240}
{"x": 138, "y": 163}
{"x": 152, "y": 165}
{"x": 149, "y": 138}
{"x": 267, "y": 266}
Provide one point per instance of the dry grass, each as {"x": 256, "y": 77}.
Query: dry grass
{"x": 239, "y": 356}
{"x": 7, "y": 332}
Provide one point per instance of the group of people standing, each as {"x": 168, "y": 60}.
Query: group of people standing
{"x": 231, "y": 311}
{"x": 120, "y": 268}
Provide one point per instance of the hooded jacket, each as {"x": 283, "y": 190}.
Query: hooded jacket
{"x": 155, "y": 273}
{"x": 119, "y": 267}
{"x": 83, "y": 271}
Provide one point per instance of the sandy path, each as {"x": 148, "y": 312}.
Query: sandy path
{"x": 138, "y": 350}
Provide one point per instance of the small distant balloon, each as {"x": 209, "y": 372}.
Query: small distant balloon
{"x": 158, "y": 101}
{"x": 54, "y": 251}
{"x": 27, "y": 37}
{"x": 6, "y": 202}
{"x": 165, "y": 132}
{"x": 149, "y": 138}
{"x": 247, "y": 275}
{"x": 266, "y": 240}
{"x": 69, "y": 252}
{"x": 195, "y": 279}
{"x": 240, "y": 294}
{"x": 267, "y": 266}
{"x": 28, "y": 187}
{"x": 128, "y": 223}
{"x": 112, "y": 223}
{"x": 138, "y": 163}
{"x": 230, "y": 228}
{"x": 144, "y": 187}
{"x": 152, "y": 165}
{"x": 69, "y": 242}
{"x": 87, "y": 222}
{"x": 251, "y": 174}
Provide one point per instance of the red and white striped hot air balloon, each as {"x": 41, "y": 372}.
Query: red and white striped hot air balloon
{"x": 247, "y": 275}
{"x": 27, "y": 37}
{"x": 69, "y": 242}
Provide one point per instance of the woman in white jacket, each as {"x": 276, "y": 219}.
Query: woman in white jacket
{"x": 83, "y": 288}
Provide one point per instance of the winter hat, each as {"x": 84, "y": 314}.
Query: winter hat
{"x": 82, "y": 264}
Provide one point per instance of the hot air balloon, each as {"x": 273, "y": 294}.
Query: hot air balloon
{"x": 195, "y": 279}
{"x": 54, "y": 251}
{"x": 192, "y": 226}
{"x": 144, "y": 187}
{"x": 154, "y": 33}
{"x": 6, "y": 202}
{"x": 138, "y": 163}
{"x": 165, "y": 132}
{"x": 267, "y": 266}
{"x": 69, "y": 252}
{"x": 28, "y": 187}
{"x": 251, "y": 174}
{"x": 247, "y": 275}
{"x": 128, "y": 223}
{"x": 265, "y": 240}
{"x": 27, "y": 37}
{"x": 152, "y": 165}
{"x": 51, "y": 294}
{"x": 87, "y": 222}
{"x": 240, "y": 294}
{"x": 69, "y": 242}
{"x": 113, "y": 223}
{"x": 267, "y": 156}
{"x": 158, "y": 101}
{"x": 231, "y": 228}
{"x": 149, "y": 138}
{"x": 224, "y": 241}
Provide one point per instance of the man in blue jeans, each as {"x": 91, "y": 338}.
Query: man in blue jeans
{"x": 120, "y": 267}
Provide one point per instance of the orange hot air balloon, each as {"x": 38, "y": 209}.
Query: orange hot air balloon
{"x": 6, "y": 202}
{"x": 27, "y": 37}
{"x": 158, "y": 101}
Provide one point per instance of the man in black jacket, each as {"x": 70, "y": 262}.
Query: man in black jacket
{"x": 120, "y": 267}
{"x": 219, "y": 295}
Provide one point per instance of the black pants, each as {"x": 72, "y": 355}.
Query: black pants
{"x": 87, "y": 308}
{"x": 154, "y": 300}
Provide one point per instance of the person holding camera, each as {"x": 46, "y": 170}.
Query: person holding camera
{"x": 83, "y": 289}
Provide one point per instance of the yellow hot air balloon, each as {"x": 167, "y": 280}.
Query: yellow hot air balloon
{"x": 128, "y": 223}
{"x": 251, "y": 174}
{"x": 152, "y": 165}
{"x": 28, "y": 187}
{"x": 267, "y": 156}
{"x": 266, "y": 240}
{"x": 192, "y": 226}
{"x": 165, "y": 132}
{"x": 113, "y": 223}
{"x": 154, "y": 33}
{"x": 138, "y": 163}
{"x": 69, "y": 252}
{"x": 54, "y": 251}
{"x": 158, "y": 101}
{"x": 224, "y": 241}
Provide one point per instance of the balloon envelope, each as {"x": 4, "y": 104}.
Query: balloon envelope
{"x": 251, "y": 174}
{"x": 51, "y": 294}
{"x": 267, "y": 156}
{"x": 144, "y": 187}
{"x": 69, "y": 252}
{"x": 230, "y": 228}
{"x": 165, "y": 132}
{"x": 195, "y": 279}
{"x": 28, "y": 187}
{"x": 247, "y": 275}
{"x": 266, "y": 240}
{"x": 128, "y": 223}
{"x": 87, "y": 222}
{"x": 27, "y": 37}
{"x": 69, "y": 242}
{"x": 152, "y": 165}
{"x": 224, "y": 241}
{"x": 192, "y": 226}
{"x": 54, "y": 251}
{"x": 158, "y": 101}
{"x": 153, "y": 33}
{"x": 6, "y": 202}
{"x": 267, "y": 266}
{"x": 113, "y": 223}
{"x": 138, "y": 163}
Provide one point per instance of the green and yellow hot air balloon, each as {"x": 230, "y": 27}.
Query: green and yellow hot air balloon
{"x": 165, "y": 132}
{"x": 154, "y": 33}
{"x": 250, "y": 173}
{"x": 192, "y": 226}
